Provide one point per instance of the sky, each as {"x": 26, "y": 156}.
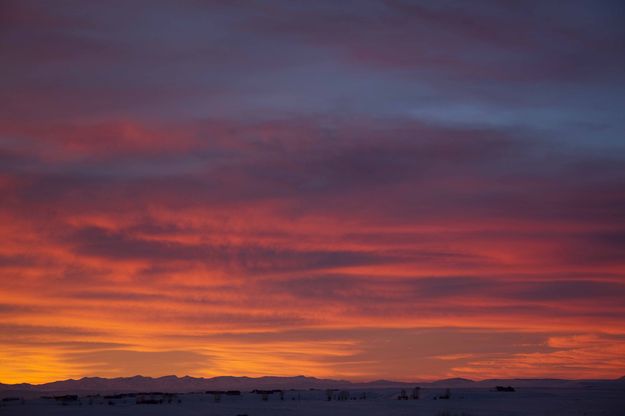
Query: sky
{"x": 366, "y": 189}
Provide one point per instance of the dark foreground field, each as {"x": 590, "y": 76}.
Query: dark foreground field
{"x": 380, "y": 402}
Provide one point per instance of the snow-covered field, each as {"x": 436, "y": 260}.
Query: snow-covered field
{"x": 463, "y": 402}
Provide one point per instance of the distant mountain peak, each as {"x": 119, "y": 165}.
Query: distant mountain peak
{"x": 173, "y": 383}
{"x": 459, "y": 379}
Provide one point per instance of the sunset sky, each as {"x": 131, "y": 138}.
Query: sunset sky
{"x": 357, "y": 189}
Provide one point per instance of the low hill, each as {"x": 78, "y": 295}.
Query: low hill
{"x": 176, "y": 384}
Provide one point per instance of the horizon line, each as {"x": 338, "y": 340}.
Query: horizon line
{"x": 317, "y": 378}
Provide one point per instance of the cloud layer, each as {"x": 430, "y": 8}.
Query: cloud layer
{"x": 385, "y": 189}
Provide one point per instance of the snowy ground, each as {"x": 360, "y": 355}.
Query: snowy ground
{"x": 463, "y": 402}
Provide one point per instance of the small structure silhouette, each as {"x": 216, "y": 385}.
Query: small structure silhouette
{"x": 264, "y": 394}
{"x": 507, "y": 389}
{"x": 415, "y": 393}
{"x": 402, "y": 395}
{"x": 329, "y": 394}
